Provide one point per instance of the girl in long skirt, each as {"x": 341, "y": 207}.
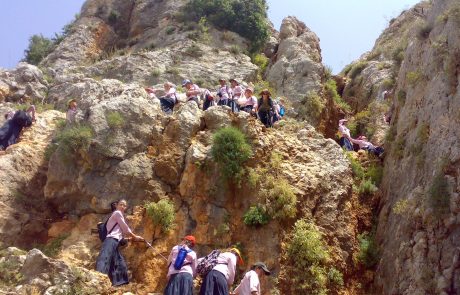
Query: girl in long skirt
{"x": 180, "y": 281}
{"x": 110, "y": 261}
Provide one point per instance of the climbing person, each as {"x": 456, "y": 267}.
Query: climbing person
{"x": 224, "y": 93}
{"x": 237, "y": 92}
{"x": 345, "y": 136}
{"x": 250, "y": 284}
{"x": 71, "y": 111}
{"x": 222, "y": 275}
{"x": 11, "y": 129}
{"x": 192, "y": 91}
{"x": 110, "y": 261}
{"x": 265, "y": 108}
{"x": 169, "y": 99}
{"x": 249, "y": 102}
{"x": 181, "y": 268}
{"x": 364, "y": 144}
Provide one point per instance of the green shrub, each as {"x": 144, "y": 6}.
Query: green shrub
{"x": 230, "y": 150}
{"x": 375, "y": 174}
{"x": 10, "y": 274}
{"x": 311, "y": 107}
{"x": 356, "y": 168}
{"x": 388, "y": 83}
{"x": 115, "y": 120}
{"x": 357, "y": 69}
{"x": 227, "y": 14}
{"x": 401, "y": 207}
{"x": 39, "y": 47}
{"x": 170, "y": 30}
{"x": 194, "y": 51}
{"x": 362, "y": 124}
{"x": 390, "y": 134}
{"x": 261, "y": 61}
{"x": 368, "y": 250}
{"x": 173, "y": 71}
{"x": 156, "y": 73}
{"x": 399, "y": 146}
{"x": 330, "y": 88}
{"x": 235, "y": 50}
{"x": 367, "y": 187}
{"x": 306, "y": 262}
{"x": 161, "y": 213}
{"x": 413, "y": 77}
{"x": 256, "y": 216}
{"x": 438, "y": 195}
{"x": 402, "y": 97}
{"x": 424, "y": 30}
{"x": 74, "y": 139}
{"x": 398, "y": 55}
{"x": 52, "y": 248}
{"x": 113, "y": 17}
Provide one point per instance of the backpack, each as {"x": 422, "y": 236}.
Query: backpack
{"x": 102, "y": 230}
{"x": 180, "y": 258}
{"x": 282, "y": 111}
{"x": 207, "y": 263}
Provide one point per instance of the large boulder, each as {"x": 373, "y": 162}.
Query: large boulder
{"x": 25, "y": 83}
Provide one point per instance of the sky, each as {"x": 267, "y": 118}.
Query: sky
{"x": 346, "y": 28}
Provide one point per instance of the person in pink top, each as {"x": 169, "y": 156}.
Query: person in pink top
{"x": 180, "y": 277}
{"x": 221, "y": 277}
{"x": 71, "y": 111}
{"x": 250, "y": 284}
{"x": 249, "y": 103}
{"x": 237, "y": 93}
{"x": 110, "y": 261}
{"x": 224, "y": 93}
{"x": 192, "y": 91}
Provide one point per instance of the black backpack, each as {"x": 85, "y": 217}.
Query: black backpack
{"x": 102, "y": 229}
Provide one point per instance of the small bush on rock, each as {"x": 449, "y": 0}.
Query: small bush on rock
{"x": 311, "y": 107}
{"x": 74, "y": 139}
{"x": 161, "y": 213}
{"x": 357, "y": 69}
{"x": 368, "y": 250}
{"x": 39, "y": 47}
{"x": 367, "y": 187}
{"x": 256, "y": 216}
{"x": 231, "y": 150}
{"x": 115, "y": 120}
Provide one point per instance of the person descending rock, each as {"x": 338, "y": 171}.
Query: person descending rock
{"x": 345, "y": 136}
{"x": 110, "y": 261}
{"x": 221, "y": 277}
{"x": 169, "y": 99}
{"x": 265, "y": 108}
{"x": 11, "y": 129}
{"x": 250, "y": 284}
{"x": 191, "y": 91}
{"x": 181, "y": 268}
{"x": 71, "y": 111}
{"x": 364, "y": 144}
{"x": 237, "y": 92}
{"x": 249, "y": 102}
{"x": 224, "y": 93}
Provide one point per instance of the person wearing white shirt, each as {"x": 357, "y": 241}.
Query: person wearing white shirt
{"x": 224, "y": 93}
{"x": 169, "y": 99}
{"x": 345, "y": 135}
{"x": 221, "y": 277}
{"x": 250, "y": 284}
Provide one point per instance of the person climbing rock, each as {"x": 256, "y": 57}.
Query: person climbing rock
{"x": 250, "y": 284}
{"x": 169, "y": 99}
{"x": 224, "y": 93}
{"x": 71, "y": 111}
{"x": 364, "y": 144}
{"x": 221, "y": 277}
{"x": 11, "y": 129}
{"x": 249, "y": 102}
{"x": 345, "y": 136}
{"x": 265, "y": 108}
{"x": 181, "y": 268}
{"x": 192, "y": 91}
{"x": 237, "y": 92}
{"x": 110, "y": 261}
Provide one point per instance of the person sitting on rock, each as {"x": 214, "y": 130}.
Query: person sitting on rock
{"x": 181, "y": 273}
{"x": 265, "y": 108}
{"x": 192, "y": 91}
{"x": 345, "y": 136}
{"x": 224, "y": 93}
{"x": 71, "y": 111}
{"x": 11, "y": 129}
{"x": 218, "y": 280}
{"x": 169, "y": 100}
{"x": 249, "y": 102}
{"x": 237, "y": 92}
{"x": 250, "y": 284}
{"x": 208, "y": 99}
{"x": 110, "y": 261}
{"x": 364, "y": 144}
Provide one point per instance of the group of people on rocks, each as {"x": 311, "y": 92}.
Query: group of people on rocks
{"x": 217, "y": 269}
{"x": 346, "y": 141}
{"x": 235, "y": 96}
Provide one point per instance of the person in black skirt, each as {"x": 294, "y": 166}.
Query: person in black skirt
{"x": 265, "y": 108}
{"x": 180, "y": 281}
{"x": 110, "y": 261}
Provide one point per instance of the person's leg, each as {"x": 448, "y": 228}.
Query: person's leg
{"x": 119, "y": 273}
{"x": 106, "y": 255}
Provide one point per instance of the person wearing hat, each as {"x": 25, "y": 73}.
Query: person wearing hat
{"x": 237, "y": 92}
{"x": 71, "y": 111}
{"x": 191, "y": 91}
{"x": 224, "y": 93}
{"x": 345, "y": 136}
{"x": 221, "y": 277}
{"x": 265, "y": 108}
{"x": 180, "y": 281}
{"x": 250, "y": 284}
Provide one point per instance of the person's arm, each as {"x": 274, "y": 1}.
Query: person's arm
{"x": 194, "y": 263}
{"x": 231, "y": 269}
{"x": 124, "y": 227}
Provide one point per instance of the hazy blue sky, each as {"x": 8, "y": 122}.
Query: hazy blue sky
{"x": 347, "y": 28}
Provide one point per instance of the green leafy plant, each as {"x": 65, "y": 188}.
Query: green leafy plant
{"x": 311, "y": 107}
{"x": 74, "y": 139}
{"x": 235, "y": 50}
{"x": 375, "y": 173}
{"x": 368, "y": 250}
{"x": 413, "y": 77}
{"x": 261, "y": 61}
{"x": 357, "y": 69}
{"x": 161, "y": 213}
{"x": 256, "y": 216}
{"x": 367, "y": 187}
{"x": 231, "y": 150}
{"x": 424, "y": 30}
{"x": 52, "y": 248}
{"x": 115, "y": 120}
{"x": 39, "y": 47}
{"x": 401, "y": 207}
{"x": 170, "y": 30}
{"x": 113, "y": 17}
{"x": 356, "y": 167}
{"x": 330, "y": 88}
{"x": 155, "y": 73}
{"x": 194, "y": 51}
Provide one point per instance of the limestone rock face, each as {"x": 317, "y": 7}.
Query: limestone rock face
{"x": 25, "y": 83}
{"x": 296, "y": 68}
{"x": 418, "y": 224}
